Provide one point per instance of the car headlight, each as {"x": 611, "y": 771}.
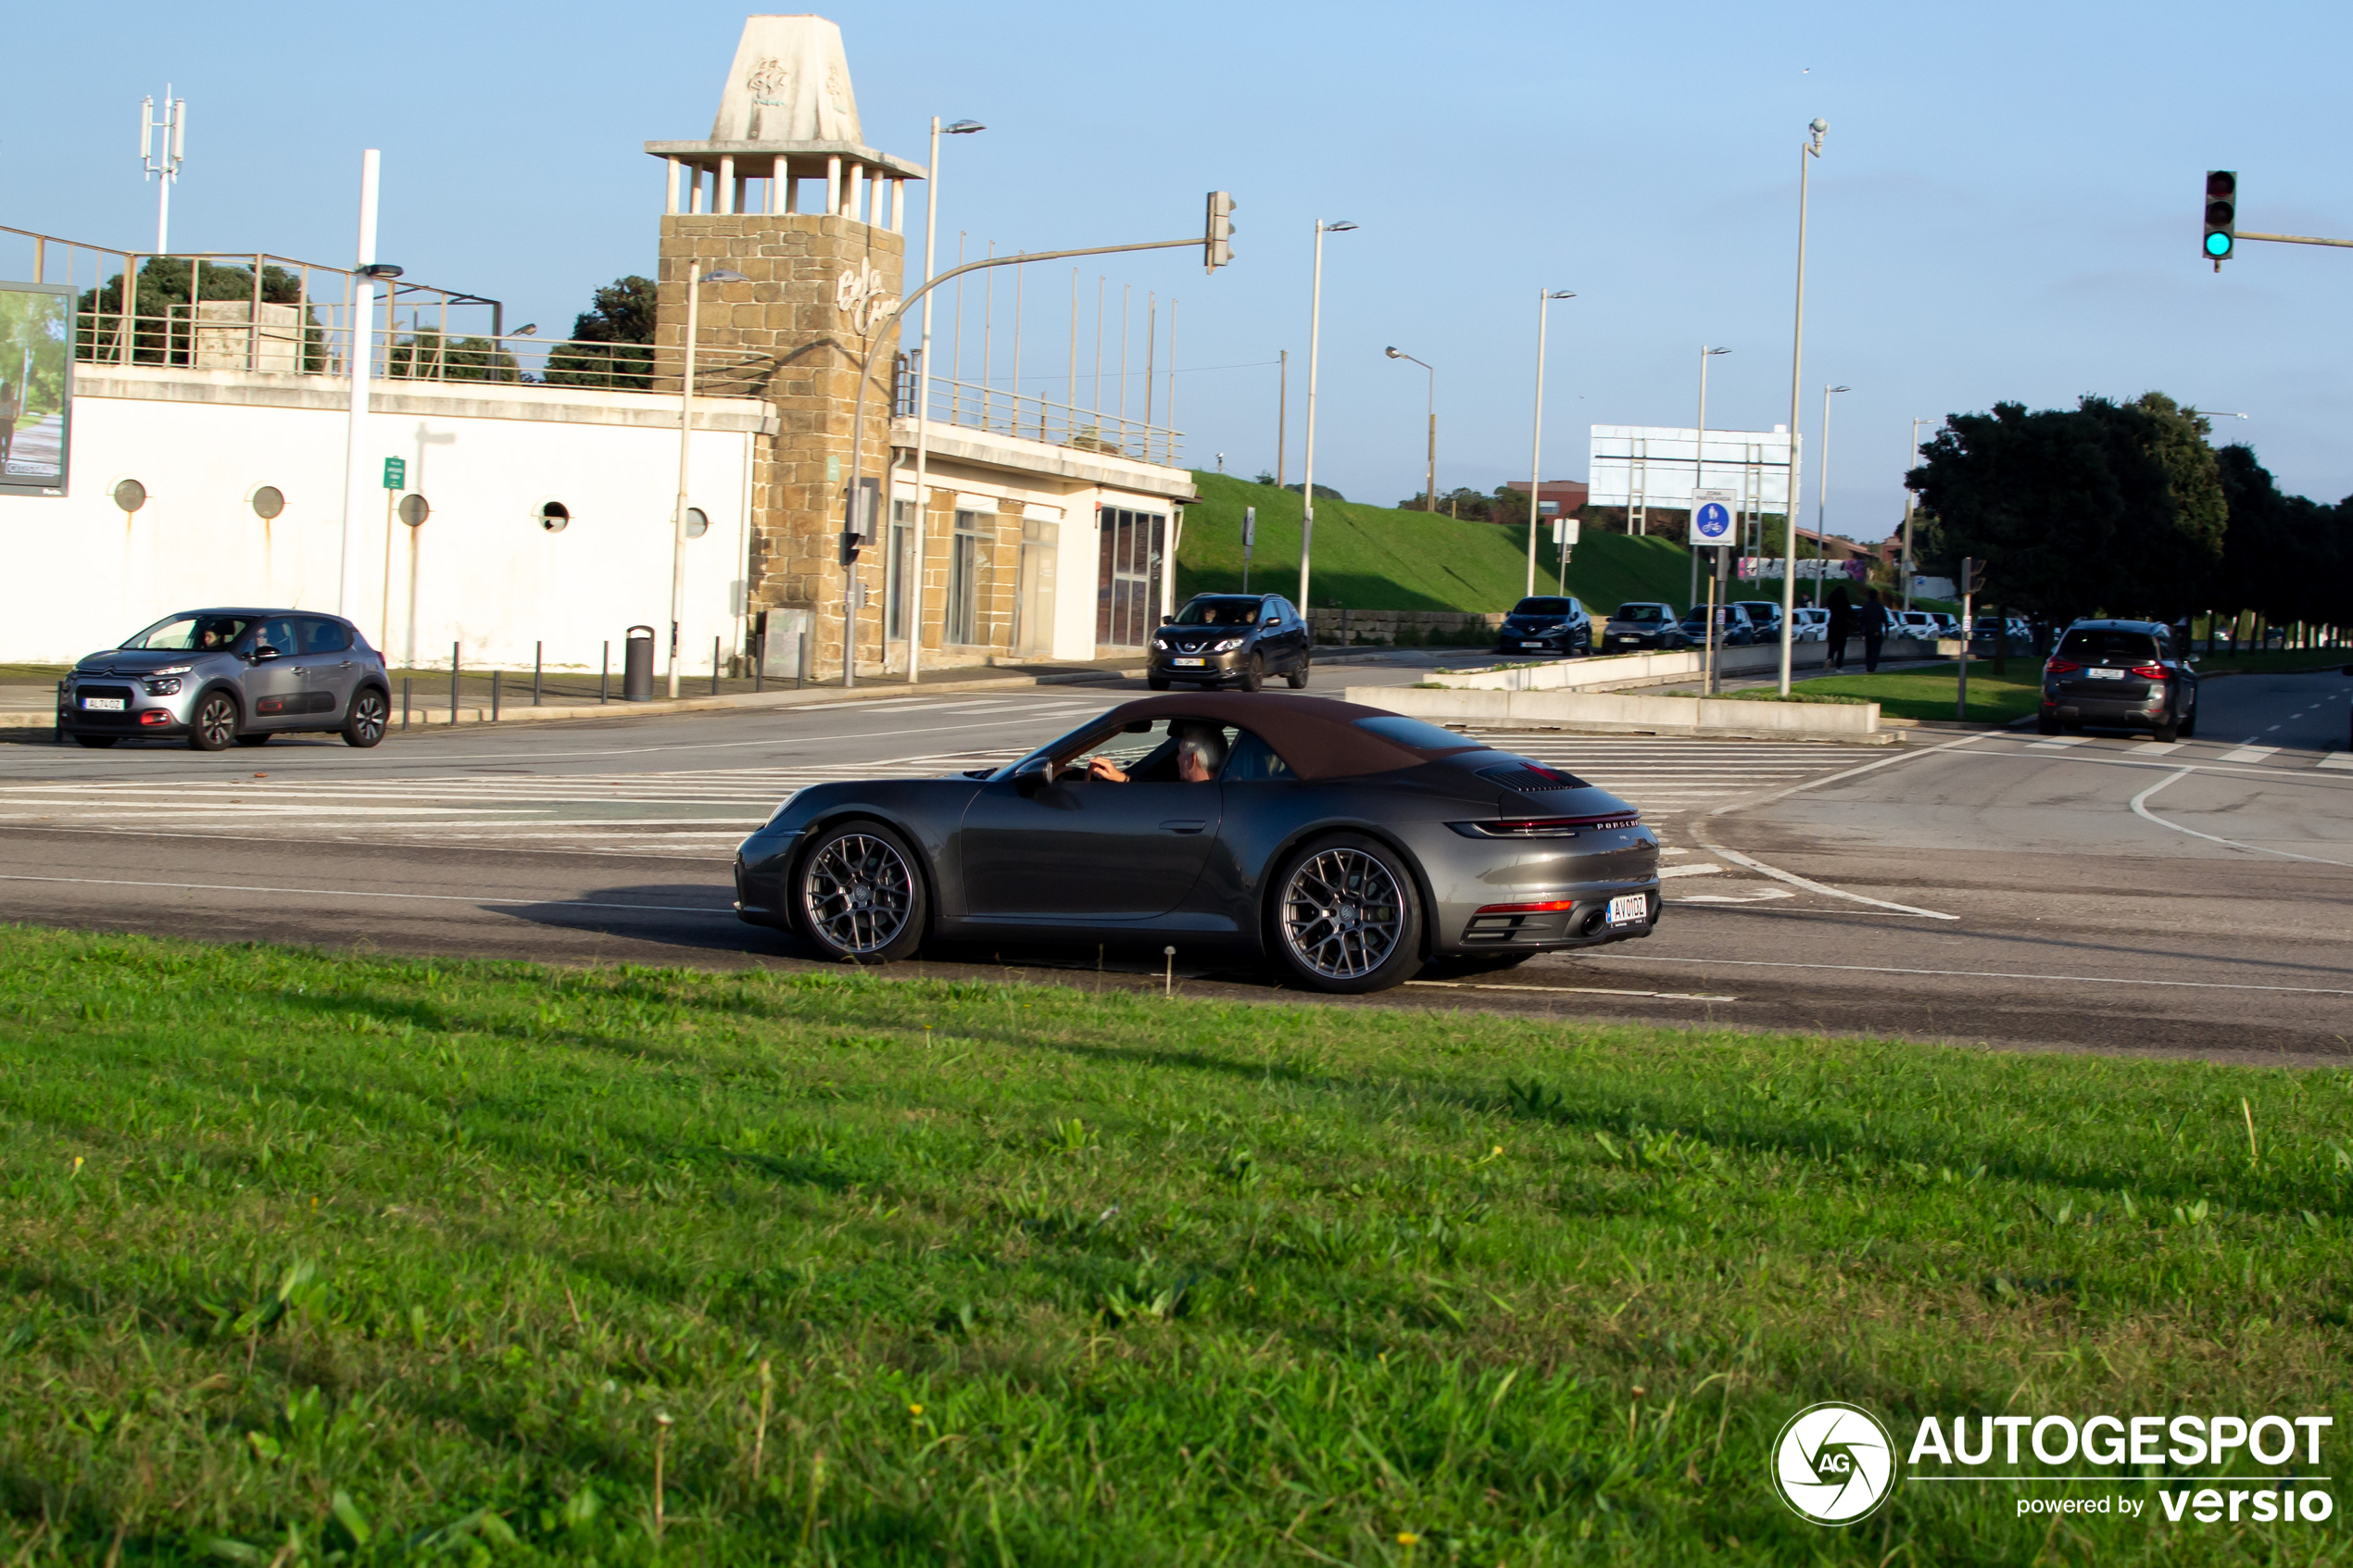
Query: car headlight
{"x": 172, "y": 669}
{"x": 1228, "y": 645}
{"x": 1162, "y": 643}
{"x": 169, "y": 687}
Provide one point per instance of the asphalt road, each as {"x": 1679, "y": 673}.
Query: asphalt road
{"x": 2091, "y": 893}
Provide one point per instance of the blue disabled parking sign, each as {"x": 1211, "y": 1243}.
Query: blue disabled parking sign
{"x": 1712, "y": 517}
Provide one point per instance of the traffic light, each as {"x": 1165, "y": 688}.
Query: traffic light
{"x": 2221, "y": 214}
{"x": 1217, "y": 246}
{"x": 1972, "y": 575}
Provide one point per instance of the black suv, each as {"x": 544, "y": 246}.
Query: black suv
{"x": 1734, "y": 628}
{"x": 1546, "y": 625}
{"x": 1230, "y": 639}
{"x": 2118, "y": 674}
{"x": 1639, "y": 625}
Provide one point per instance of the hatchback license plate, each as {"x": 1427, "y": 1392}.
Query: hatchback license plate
{"x": 2105, "y": 674}
{"x": 103, "y": 704}
{"x": 1189, "y": 661}
{"x": 1630, "y": 910}
{"x": 1531, "y": 645}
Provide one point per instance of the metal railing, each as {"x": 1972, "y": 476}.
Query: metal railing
{"x": 975, "y": 406}
{"x": 276, "y": 314}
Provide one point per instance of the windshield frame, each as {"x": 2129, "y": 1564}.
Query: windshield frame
{"x": 138, "y": 641}
{"x": 1256, "y": 602}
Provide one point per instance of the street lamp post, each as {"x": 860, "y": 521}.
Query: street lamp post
{"x": 1807, "y": 150}
{"x": 1544, "y": 298}
{"x": 1314, "y": 344}
{"x": 1822, "y": 495}
{"x": 1429, "y": 477}
{"x": 1699, "y": 466}
{"x": 922, "y": 399}
{"x": 695, "y": 278}
{"x": 1908, "y": 499}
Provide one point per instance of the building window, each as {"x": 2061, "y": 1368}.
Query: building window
{"x": 554, "y": 516}
{"x": 965, "y": 567}
{"x": 898, "y": 570}
{"x": 1128, "y": 576}
{"x": 269, "y": 502}
{"x": 130, "y": 494}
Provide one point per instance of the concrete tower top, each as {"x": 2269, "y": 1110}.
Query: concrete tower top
{"x": 787, "y": 98}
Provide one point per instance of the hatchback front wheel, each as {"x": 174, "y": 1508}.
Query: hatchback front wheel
{"x": 214, "y": 728}
{"x": 369, "y": 713}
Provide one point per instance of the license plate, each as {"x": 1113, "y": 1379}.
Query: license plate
{"x": 1527, "y": 645}
{"x": 2105, "y": 674}
{"x": 103, "y": 704}
{"x": 1633, "y": 909}
{"x": 1189, "y": 661}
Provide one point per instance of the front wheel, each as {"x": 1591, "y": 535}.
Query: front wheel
{"x": 1157, "y": 683}
{"x": 364, "y": 725}
{"x": 1255, "y": 673}
{"x": 1347, "y": 916}
{"x": 214, "y": 727}
{"x": 859, "y": 896}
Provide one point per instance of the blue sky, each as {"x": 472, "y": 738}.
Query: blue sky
{"x": 2007, "y": 208}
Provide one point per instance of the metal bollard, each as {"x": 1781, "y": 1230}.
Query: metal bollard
{"x": 453, "y": 675}
{"x": 714, "y": 667}
{"x": 538, "y": 663}
{"x": 604, "y": 676}
{"x": 405, "y": 683}
{"x": 496, "y": 676}
{"x": 802, "y": 667}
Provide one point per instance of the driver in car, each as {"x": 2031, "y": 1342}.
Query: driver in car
{"x": 1201, "y": 751}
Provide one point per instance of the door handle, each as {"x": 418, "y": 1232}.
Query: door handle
{"x": 1183, "y": 826}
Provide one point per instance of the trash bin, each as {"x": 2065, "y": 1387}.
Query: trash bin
{"x": 637, "y": 666}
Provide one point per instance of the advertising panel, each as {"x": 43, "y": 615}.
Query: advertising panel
{"x": 36, "y": 387}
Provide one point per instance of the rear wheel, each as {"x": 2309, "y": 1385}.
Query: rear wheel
{"x": 1255, "y": 673}
{"x": 858, "y": 894}
{"x": 364, "y": 725}
{"x": 1298, "y": 678}
{"x": 97, "y": 743}
{"x": 214, "y": 727}
{"x": 2168, "y": 733}
{"x": 2046, "y": 725}
{"x": 1347, "y": 916}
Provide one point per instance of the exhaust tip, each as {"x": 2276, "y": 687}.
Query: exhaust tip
{"x": 1592, "y": 922}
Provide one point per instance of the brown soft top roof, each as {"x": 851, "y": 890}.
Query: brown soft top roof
{"x": 1318, "y": 736}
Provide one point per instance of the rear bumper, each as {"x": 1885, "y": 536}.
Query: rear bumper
{"x": 1585, "y": 925}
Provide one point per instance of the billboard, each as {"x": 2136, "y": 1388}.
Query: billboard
{"x": 1655, "y": 466}
{"x": 36, "y": 387}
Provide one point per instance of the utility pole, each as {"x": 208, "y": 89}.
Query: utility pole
{"x": 1282, "y": 417}
{"x": 1807, "y": 152}
{"x": 1908, "y": 499}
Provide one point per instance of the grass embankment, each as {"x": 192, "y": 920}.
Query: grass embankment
{"x": 311, "y": 1255}
{"x": 1930, "y": 691}
{"x": 1378, "y": 558}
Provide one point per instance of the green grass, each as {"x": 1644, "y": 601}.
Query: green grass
{"x": 1930, "y": 691}
{"x": 1378, "y": 558}
{"x": 409, "y": 1262}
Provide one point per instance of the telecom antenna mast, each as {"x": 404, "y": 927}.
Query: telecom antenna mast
{"x": 163, "y": 141}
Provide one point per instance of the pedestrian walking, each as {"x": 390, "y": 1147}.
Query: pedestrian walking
{"x": 1874, "y": 630}
{"x": 1841, "y": 627}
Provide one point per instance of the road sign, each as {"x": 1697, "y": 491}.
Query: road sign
{"x": 1565, "y": 530}
{"x": 1712, "y": 518}
{"x": 396, "y": 473}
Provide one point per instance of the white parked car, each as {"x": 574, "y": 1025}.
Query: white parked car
{"x": 1809, "y": 625}
{"x": 1915, "y": 623}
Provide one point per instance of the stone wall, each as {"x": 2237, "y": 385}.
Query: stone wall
{"x": 788, "y": 309}
{"x": 1410, "y": 628}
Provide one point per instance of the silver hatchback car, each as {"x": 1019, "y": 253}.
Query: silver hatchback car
{"x": 219, "y": 677}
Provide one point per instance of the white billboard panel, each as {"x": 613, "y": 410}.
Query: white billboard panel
{"x": 1655, "y": 466}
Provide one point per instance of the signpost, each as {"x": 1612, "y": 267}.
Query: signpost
{"x": 396, "y": 473}
{"x": 1712, "y": 527}
{"x": 1250, "y": 538}
{"x": 1972, "y": 579}
{"x": 1565, "y": 532}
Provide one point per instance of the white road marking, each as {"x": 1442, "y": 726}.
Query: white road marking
{"x": 1989, "y": 974}
{"x": 1581, "y": 990}
{"x": 2140, "y": 808}
{"x": 1697, "y": 868}
{"x": 1755, "y": 896}
{"x": 2156, "y": 747}
{"x": 2339, "y": 759}
{"x": 2057, "y": 741}
{"x": 2249, "y": 753}
{"x": 1812, "y": 886}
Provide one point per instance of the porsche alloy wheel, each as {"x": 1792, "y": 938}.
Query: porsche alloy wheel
{"x": 861, "y": 897}
{"x": 1348, "y": 917}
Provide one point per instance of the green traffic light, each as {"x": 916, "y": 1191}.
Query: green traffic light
{"x": 2217, "y": 246}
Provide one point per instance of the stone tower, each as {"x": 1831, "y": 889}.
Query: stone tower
{"x": 786, "y": 193}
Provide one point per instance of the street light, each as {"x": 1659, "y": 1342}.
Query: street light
{"x": 1314, "y": 340}
{"x": 695, "y": 278}
{"x": 1822, "y": 498}
{"x": 1699, "y": 466}
{"x": 923, "y": 419}
{"x": 1809, "y": 150}
{"x": 1908, "y": 499}
{"x": 1544, "y": 298}
{"x": 1429, "y": 480}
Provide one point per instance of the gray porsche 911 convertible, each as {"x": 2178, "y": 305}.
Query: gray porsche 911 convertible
{"x": 1352, "y": 845}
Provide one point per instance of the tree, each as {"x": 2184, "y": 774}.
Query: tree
{"x": 611, "y": 342}
{"x": 2104, "y": 506}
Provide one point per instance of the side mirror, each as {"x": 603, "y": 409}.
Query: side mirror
{"x": 264, "y": 651}
{"x": 1033, "y": 776}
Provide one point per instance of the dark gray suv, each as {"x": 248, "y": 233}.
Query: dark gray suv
{"x": 1230, "y": 639}
{"x": 219, "y": 677}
